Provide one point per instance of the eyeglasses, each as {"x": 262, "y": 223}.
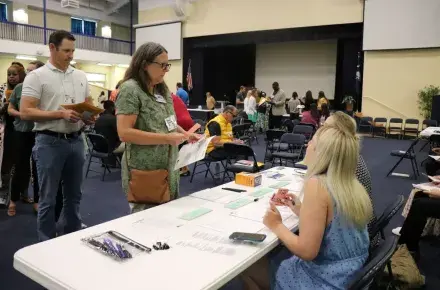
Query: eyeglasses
{"x": 233, "y": 115}
{"x": 163, "y": 65}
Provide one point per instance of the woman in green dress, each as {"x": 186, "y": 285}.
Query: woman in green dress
{"x": 146, "y": 119}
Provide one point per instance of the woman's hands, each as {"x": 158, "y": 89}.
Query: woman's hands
{"x": 272, "y": 219}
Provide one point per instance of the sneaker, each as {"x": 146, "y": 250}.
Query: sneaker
{"x": 396, "y": 231}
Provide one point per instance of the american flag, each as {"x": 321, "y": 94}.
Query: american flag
{"x": 189, "y": 79}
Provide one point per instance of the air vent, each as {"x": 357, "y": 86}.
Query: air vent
{"x": 70, "y": 3}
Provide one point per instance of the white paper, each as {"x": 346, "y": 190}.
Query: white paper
{"x": 436, "y": 158}
{"x": 217, "y": 195}
{"x": 192, "y": 152}
{"x": 257, "y": 210}
{"x": 228, "y": 227}
{"x": 425, "y": 186}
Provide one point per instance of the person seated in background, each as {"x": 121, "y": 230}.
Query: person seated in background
{"x": 311, "y": 116}
{"x": 293, "y": 106}
{"x": 106, "y": 126}
{"x": 321, "y": 100}
{"x": 250, "y": 106}
{"x": 210, "y": 101}
{"x": 221, "y": 127}
{"x": 333, "y": 241}
{"x": 426, "y": 204}
{"x": 185, "y": 121}
{"x": 182, "y": 94}
{"x": 324, "y": 113}
{"x": 431, "y": 165}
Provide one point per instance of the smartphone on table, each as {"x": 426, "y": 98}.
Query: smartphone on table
{"x": 249, "y": 237}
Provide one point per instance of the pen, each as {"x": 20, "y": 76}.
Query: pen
{"x": 234, "y": 189}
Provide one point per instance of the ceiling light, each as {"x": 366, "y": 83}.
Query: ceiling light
{"x": 123, "y": 65}
{"x": 104, "y": 64}
{"x": 106, "y": 31}
{"x": 26, "y": 57}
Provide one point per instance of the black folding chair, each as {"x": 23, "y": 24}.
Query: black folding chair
{"x": 273, "y": 138}
{"x": 409, "y": 154}
{"x": 243, "y": 152}
{"x": 307, "y": 130}
{"x": 251, "y": 132}
{"x": 411, "y": 127}
{"x": 395, "y": 127}
{"x": 101, "y": 151}
{"x": 295, "y": 143}
{"x": 367, "y": 277}
{"x": 241, "y": 132}
{"x": 202, "y": 124}
{"x": 366, "y": 122}
{"x": 207, "y": 161}
{"x": 380, "y": 126}
{"x": 384, "y": 219}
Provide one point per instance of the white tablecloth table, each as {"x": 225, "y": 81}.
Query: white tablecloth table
{"x": 426, "y": 133}
{"x": 67, "y": 263}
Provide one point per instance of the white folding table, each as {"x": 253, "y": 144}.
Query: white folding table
{"x": 67, "y": 263}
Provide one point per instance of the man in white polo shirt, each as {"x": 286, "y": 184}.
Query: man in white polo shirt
{"x": 59, "y": 148}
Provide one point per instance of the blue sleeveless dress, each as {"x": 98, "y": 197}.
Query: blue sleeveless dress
{"x": 344, "y": 250}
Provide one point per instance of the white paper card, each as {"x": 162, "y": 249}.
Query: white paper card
{"x": 192, "y": 152}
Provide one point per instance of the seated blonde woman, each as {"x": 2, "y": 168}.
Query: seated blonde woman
{"x": 332, "y": 244}
{"x": 210, "y": 101}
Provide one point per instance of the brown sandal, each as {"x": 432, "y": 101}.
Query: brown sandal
{"x": 12, "y": 210}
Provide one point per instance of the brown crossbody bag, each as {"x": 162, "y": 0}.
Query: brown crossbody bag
{"x": 147, "y": 186}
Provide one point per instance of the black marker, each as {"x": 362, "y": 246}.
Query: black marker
{"x": 234, "y": 189}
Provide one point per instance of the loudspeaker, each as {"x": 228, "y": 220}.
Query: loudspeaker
{"x": 435, "y": 109}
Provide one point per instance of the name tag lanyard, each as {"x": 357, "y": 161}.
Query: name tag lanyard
{"x": 68, "y": 99}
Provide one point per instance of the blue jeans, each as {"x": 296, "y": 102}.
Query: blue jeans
{"x": 58, "y": 159}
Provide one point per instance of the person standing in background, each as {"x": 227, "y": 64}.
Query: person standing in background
{"x": 16, "y": 75}
{"x": 59, "y": 147}
{"x": 322, "y": 100}
{"x": 278, "y": 100}
{"x": 293, "y": 106}
{"x": 181, "y": 93}
{"x": 239, "y": 99}
{"x": 114, "y": 93}
{"x": 250, "y": 106}
{"x": 101, "y": 99}
{"x": 23, "y": 143}
{"x": 185, "y": 121}
{"x": 210, "y": 101}
{"x": 262, "y": 123}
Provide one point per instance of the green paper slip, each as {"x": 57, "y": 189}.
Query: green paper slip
{"x": 261, "y": 192}
{"x": 279, "y": 184}
{"x": 238, "y": 203}
{"x": 195, "y": 213}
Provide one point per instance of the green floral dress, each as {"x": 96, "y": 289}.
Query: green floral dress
{"x": 132, "y": 100}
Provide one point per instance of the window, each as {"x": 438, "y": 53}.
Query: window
{"x": 96, "y": 79}
{"x": 81, "y": 26}
{"x": 3, "y": 12}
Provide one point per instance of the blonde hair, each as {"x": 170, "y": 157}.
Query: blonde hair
{"x": 337, "y": 153}
{"x": 342, "y": 122}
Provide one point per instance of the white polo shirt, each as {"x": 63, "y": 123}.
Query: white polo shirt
{"x": 54, "y": 87}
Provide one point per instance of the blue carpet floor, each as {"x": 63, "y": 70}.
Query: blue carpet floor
{"x": 104, "y": 201}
